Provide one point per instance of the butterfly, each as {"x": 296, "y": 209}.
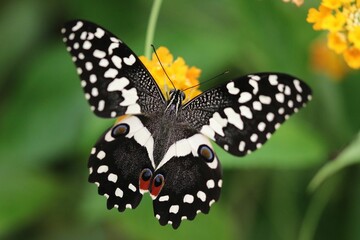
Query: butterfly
{"x": 161, "y": 145}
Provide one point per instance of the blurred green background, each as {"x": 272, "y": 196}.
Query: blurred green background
{"x": 303, "y": 184}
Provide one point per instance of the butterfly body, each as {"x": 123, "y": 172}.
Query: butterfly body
{"x": 160, "y": 144}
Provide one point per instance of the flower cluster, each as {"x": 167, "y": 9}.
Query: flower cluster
{"x": 181, "y": 75}
{"x": 341, "y": 18}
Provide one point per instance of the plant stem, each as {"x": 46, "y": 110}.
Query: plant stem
{"x": 150, "y": 32}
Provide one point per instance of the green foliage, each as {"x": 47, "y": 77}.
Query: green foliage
{"x": 47, "y": 129}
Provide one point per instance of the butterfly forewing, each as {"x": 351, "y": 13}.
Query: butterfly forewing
{"x": 114, "y": 80}
{"x": 241, "y": 115}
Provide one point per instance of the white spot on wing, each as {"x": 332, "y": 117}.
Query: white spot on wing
{"x": 255, "y": 86}
{"x": 273, "y": 80}
{"x": 103, "y": 169}
{"x": 101, "y": 154}
{"x": 99, "y": 33}
{"x": 208, "y": 131}
{"x": 99, "y": 54}
{"x": 88, "y": 66}
{"x": 94, "y": 92}
{"x": 112, "y": 177}
{"x": 254, "y": 137}
{"x": 116, "y": 61}
{"x": 270, "y": 116}
{"x": 104, "y": 62}
{"x": 265, "y": 99}
{"x": 257, "y": 105}
{"x": 201, "y": 195}
{"x": 101, "y": 105}
{"x": 86, "y": 45}
{"x": 78, "y": 25}
{"x": 242, "y": 146}
{"x": 246, "y": 112}
{"x": 210, "y": 184}
{"x": 234, "y": 118}
{"x": 132, "y": 187}
{"x": 174, "y": 209}
{"x": 119, "y": 193}
{"x": 232, "y": 89}
{"x": 261, "y": 126}
{"x": 297, "y": 85}
{"x": 93, "y": 150}
{"x": 217, "y": 123}
{"x": 112, "y": 47}
{"x": 111, "y": 73}
{"x": 164, "y": 198}
{"x": 93, "y": 78}
{"x": 129, "y": 60}
{"x": 188, "y": 198}
{"x": 118, "y": 84}
{"x": 280, "y": 97}
{"x": 244, "y": 97}
{"x": 108, "y": 137}
{"x": 130, "y": 97}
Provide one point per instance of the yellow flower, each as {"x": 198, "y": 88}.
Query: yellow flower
{"x": 335, "y": 22}
{"x": 332, "y": 4}
{"x": 352, "y": 57}
{"x": 354, "y": 36}
{"x": 181, "y": 75}
{"x": 337, "y": 42}
{"x": 317, "y": 16}
{"x": 342, "y": 19}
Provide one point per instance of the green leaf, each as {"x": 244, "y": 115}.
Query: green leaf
{"x": 43, "y": 116}
{"x": 349, "y": 156}
{"x": 24, "y": 195}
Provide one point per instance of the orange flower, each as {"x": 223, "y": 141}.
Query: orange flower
{"x": 181, "y": 75}
{"x": 352, "y": 57}
{"x": 325, "y": 61}
{"x": 342, "y": 19}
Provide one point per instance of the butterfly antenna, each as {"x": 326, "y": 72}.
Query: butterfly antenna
{"x": 223, "y": 73}
{"x": 153, "y": 47}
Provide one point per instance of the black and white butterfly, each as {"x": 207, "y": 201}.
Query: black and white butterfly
{"x": 161, "y": 145}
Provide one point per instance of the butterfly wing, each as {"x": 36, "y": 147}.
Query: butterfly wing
{"x": 117, "y": 160}
{"x": 113, "y": 78}
{"x": 241, "y": 115}
{"x": 193, "y": 181}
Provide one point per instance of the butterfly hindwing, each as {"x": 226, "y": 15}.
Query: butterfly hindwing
{"x": 113, "y": 78}
{"x": 241, "y": 115}
{"x": 117, "y": 160}
{"x": 193, "y": 181}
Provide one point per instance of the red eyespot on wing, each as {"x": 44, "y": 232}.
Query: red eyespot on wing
{"x": 156, "y": 186}
{"x": 145, "y": 180}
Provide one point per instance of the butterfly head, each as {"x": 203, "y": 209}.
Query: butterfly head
{"x": 175, "y": 101}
